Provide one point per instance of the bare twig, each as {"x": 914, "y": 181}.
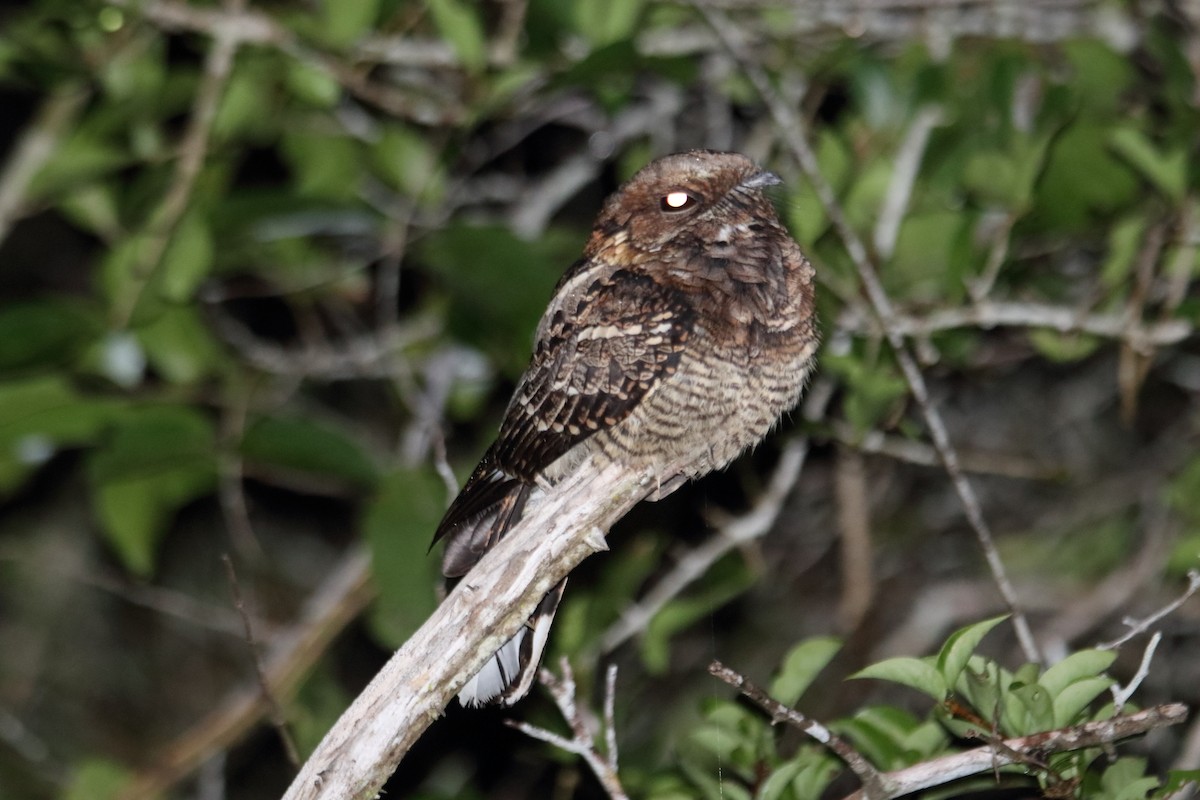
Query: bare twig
{"x": 583, "y": 742}
{"x": 876, "y": 785}
{"x": 278, "y": 719}
{"x": 795, "y": 132}
{"x": 1121, "y": 694}
{"x": 37, "y": 143}
{"x": 940, "y": 771}
{"x": 1138, "y": 626}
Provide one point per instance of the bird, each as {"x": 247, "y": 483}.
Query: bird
{"x": 680, "y": 338}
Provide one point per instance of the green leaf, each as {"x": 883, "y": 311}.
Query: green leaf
{"x": 1062, "y": 347}
{"x": 39, "y": 415}
{"x": 881, "y": 734}
{"x": 1167, "y": 171}
{"x": 313, "y": 84}
{"x": 179, "y": 346}
{"x": 1038, "y": 708}
{"x": 1074, "y": 698}
{"x": 1123, "y": 240}
{"x": 959, "y": 648}
{"x": 306, "y": 446}
{"x": 405, "y": 158}
{"x": 1077, "y": 666}
{"x": 1125, "y": 779}
{"x": 916, "y": 673}
{"x": 459, "y": 24}
{"x": 779, "y": 780}
{"x": 801, "y": 666}
{"x": 721, "y": 586}
{"x": 82, "y": 158}
{"x": 95, "y": 779}
{"x": 187, "y": 260}
{"x": 398, "y": 527}
{"x": 604, "y": 24}
{"x": 156, "y": 460}
{"x": 1082, "y": 177}
{"x": 324, "y": 166}
{"x": 45, "y": 333}
{"x": 499, "y": 283}
{"x": 344, "y": 21}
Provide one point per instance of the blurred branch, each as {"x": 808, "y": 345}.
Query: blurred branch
{"x": 795, "y": 132}
{"x": 904, "y": 176}
{"x": 1140, "y": 335}
{"x": 854, "y": 534}
{"x": 364, "y": 356}
{"x": 33, "y": 149}
{"x": 730, "y": 534}
{"x": 290, "y": 656}
{"x": 274, "y": 708}
{"x": 555, "y": 534}
{"x": 193, "y": 149}
{"x": 916, "y": 452}
{"x": 583, "y": 741}
{"x": 981, "y": 760}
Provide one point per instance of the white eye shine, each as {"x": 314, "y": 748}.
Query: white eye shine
{"x": 678, "y": 200}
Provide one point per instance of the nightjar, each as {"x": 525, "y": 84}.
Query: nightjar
{"x": 675, "y": 343}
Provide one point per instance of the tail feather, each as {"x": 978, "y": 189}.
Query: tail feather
{"x": 509, "y": 673}
{"x": 488, "y": 506}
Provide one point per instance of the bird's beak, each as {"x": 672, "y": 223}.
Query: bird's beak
{"x": 761, "y": 180}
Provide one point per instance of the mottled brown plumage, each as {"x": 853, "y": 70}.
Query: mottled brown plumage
{"x": 675, "y": 343}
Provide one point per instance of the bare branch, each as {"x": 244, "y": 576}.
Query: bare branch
{"x": 940, "y": 771}
{"x": 486, "y": 608}
{"x": 583, "y": 743}
{"x": 795, "y": 131}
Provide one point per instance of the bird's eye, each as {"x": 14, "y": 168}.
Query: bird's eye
{"x": 678, "y": 200}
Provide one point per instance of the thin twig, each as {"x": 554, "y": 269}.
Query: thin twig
{"x": 1137, "y": 626}
{"x": 1121, "y": 694}
{"x": 875, "y": 784}
{"x": 795, "y": 131}
{"x": 278, "y": 719}
{"x": 582, "y": 743}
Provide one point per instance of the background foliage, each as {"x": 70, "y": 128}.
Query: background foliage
{"x": 269, "y": 270}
